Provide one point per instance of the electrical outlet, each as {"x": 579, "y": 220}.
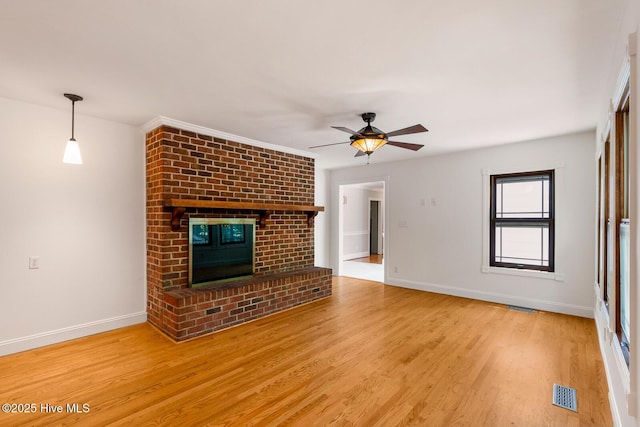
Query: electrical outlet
{"x": 395, "y": 269}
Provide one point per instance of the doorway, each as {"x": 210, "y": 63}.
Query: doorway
{"x": 361, "y": 230}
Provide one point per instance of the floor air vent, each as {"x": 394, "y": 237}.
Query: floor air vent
{"x": 565, "y": 397}
{"x": 525, "y": 309}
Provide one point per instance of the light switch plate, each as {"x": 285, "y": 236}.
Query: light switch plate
{"x": 34, "y": 262}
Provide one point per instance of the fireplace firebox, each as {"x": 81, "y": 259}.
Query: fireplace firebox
{"x": 220, "y": 250}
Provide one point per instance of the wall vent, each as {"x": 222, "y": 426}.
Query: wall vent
{"x": 565, "y": 397}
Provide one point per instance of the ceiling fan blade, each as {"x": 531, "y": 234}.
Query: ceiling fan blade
{"x": 347, "y": 130}
{"x": 359, "y": 153}
{"x": 406, "y": 131}
{"x": 328, "y": 145}
{"x": 407, "y": 145}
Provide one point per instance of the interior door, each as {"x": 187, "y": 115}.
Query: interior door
{"x": 374, "y": 208}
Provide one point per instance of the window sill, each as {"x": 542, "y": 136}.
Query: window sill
{"x": 558, "y": 277}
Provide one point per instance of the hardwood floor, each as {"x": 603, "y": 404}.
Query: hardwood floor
{"x": 369, "y": 355}
{"x": 371, "y": 259}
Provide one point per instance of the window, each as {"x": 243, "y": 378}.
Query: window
{"x": 604, "y": 230}
{"x": 622, "y": 223}
{"x": 521, "y": 233}
{"x": 614, "y": 221}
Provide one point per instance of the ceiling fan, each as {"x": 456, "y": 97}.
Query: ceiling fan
{"x": 369, "y": 139}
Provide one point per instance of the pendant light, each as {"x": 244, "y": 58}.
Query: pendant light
{"x": 72, "y": 150}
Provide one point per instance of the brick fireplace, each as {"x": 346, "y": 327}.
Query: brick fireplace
{"x": 190, "y": 174}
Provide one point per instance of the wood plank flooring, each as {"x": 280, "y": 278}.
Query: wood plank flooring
{"x": 371, "y": 259}
{"x": 370, "y": 355}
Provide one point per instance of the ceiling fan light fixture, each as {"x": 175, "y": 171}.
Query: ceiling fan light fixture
{"x": 368, "y": 145}
{"x": 369, "y": 138}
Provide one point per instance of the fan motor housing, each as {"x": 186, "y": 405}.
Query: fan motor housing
{"x": 369, "y": 131}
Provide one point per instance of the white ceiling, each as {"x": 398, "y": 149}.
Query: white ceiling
{"x": 474, "y": 72}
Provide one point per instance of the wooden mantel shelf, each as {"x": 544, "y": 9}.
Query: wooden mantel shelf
{"x": 179, "y": 207}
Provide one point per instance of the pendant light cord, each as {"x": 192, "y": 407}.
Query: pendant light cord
{"x": 73, "y": 98}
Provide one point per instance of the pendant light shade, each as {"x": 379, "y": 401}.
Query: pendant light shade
{"x": 368, "y": 139}
{"x": 368, "y": 145}
{"x": 72, "y": 153}
{"x": 72, "y": 150}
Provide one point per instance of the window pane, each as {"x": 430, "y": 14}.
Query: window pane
{"x": 625, "y": 164}
{"x": 522, "y": 199}
{"x": 522, "y": 244}
{"x": 625, "y": 320}
{"x": 545, "y": 199}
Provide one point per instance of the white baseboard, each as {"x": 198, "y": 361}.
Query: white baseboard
{"x": 64, "y": 334}
{"x": 556, "y": 307}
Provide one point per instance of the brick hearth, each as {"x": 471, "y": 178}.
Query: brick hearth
{"x": 183, "y": 164}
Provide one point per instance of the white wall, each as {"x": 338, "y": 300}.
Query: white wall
{"x": 437, "y": 245}
{"x": 86, "y": 223}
